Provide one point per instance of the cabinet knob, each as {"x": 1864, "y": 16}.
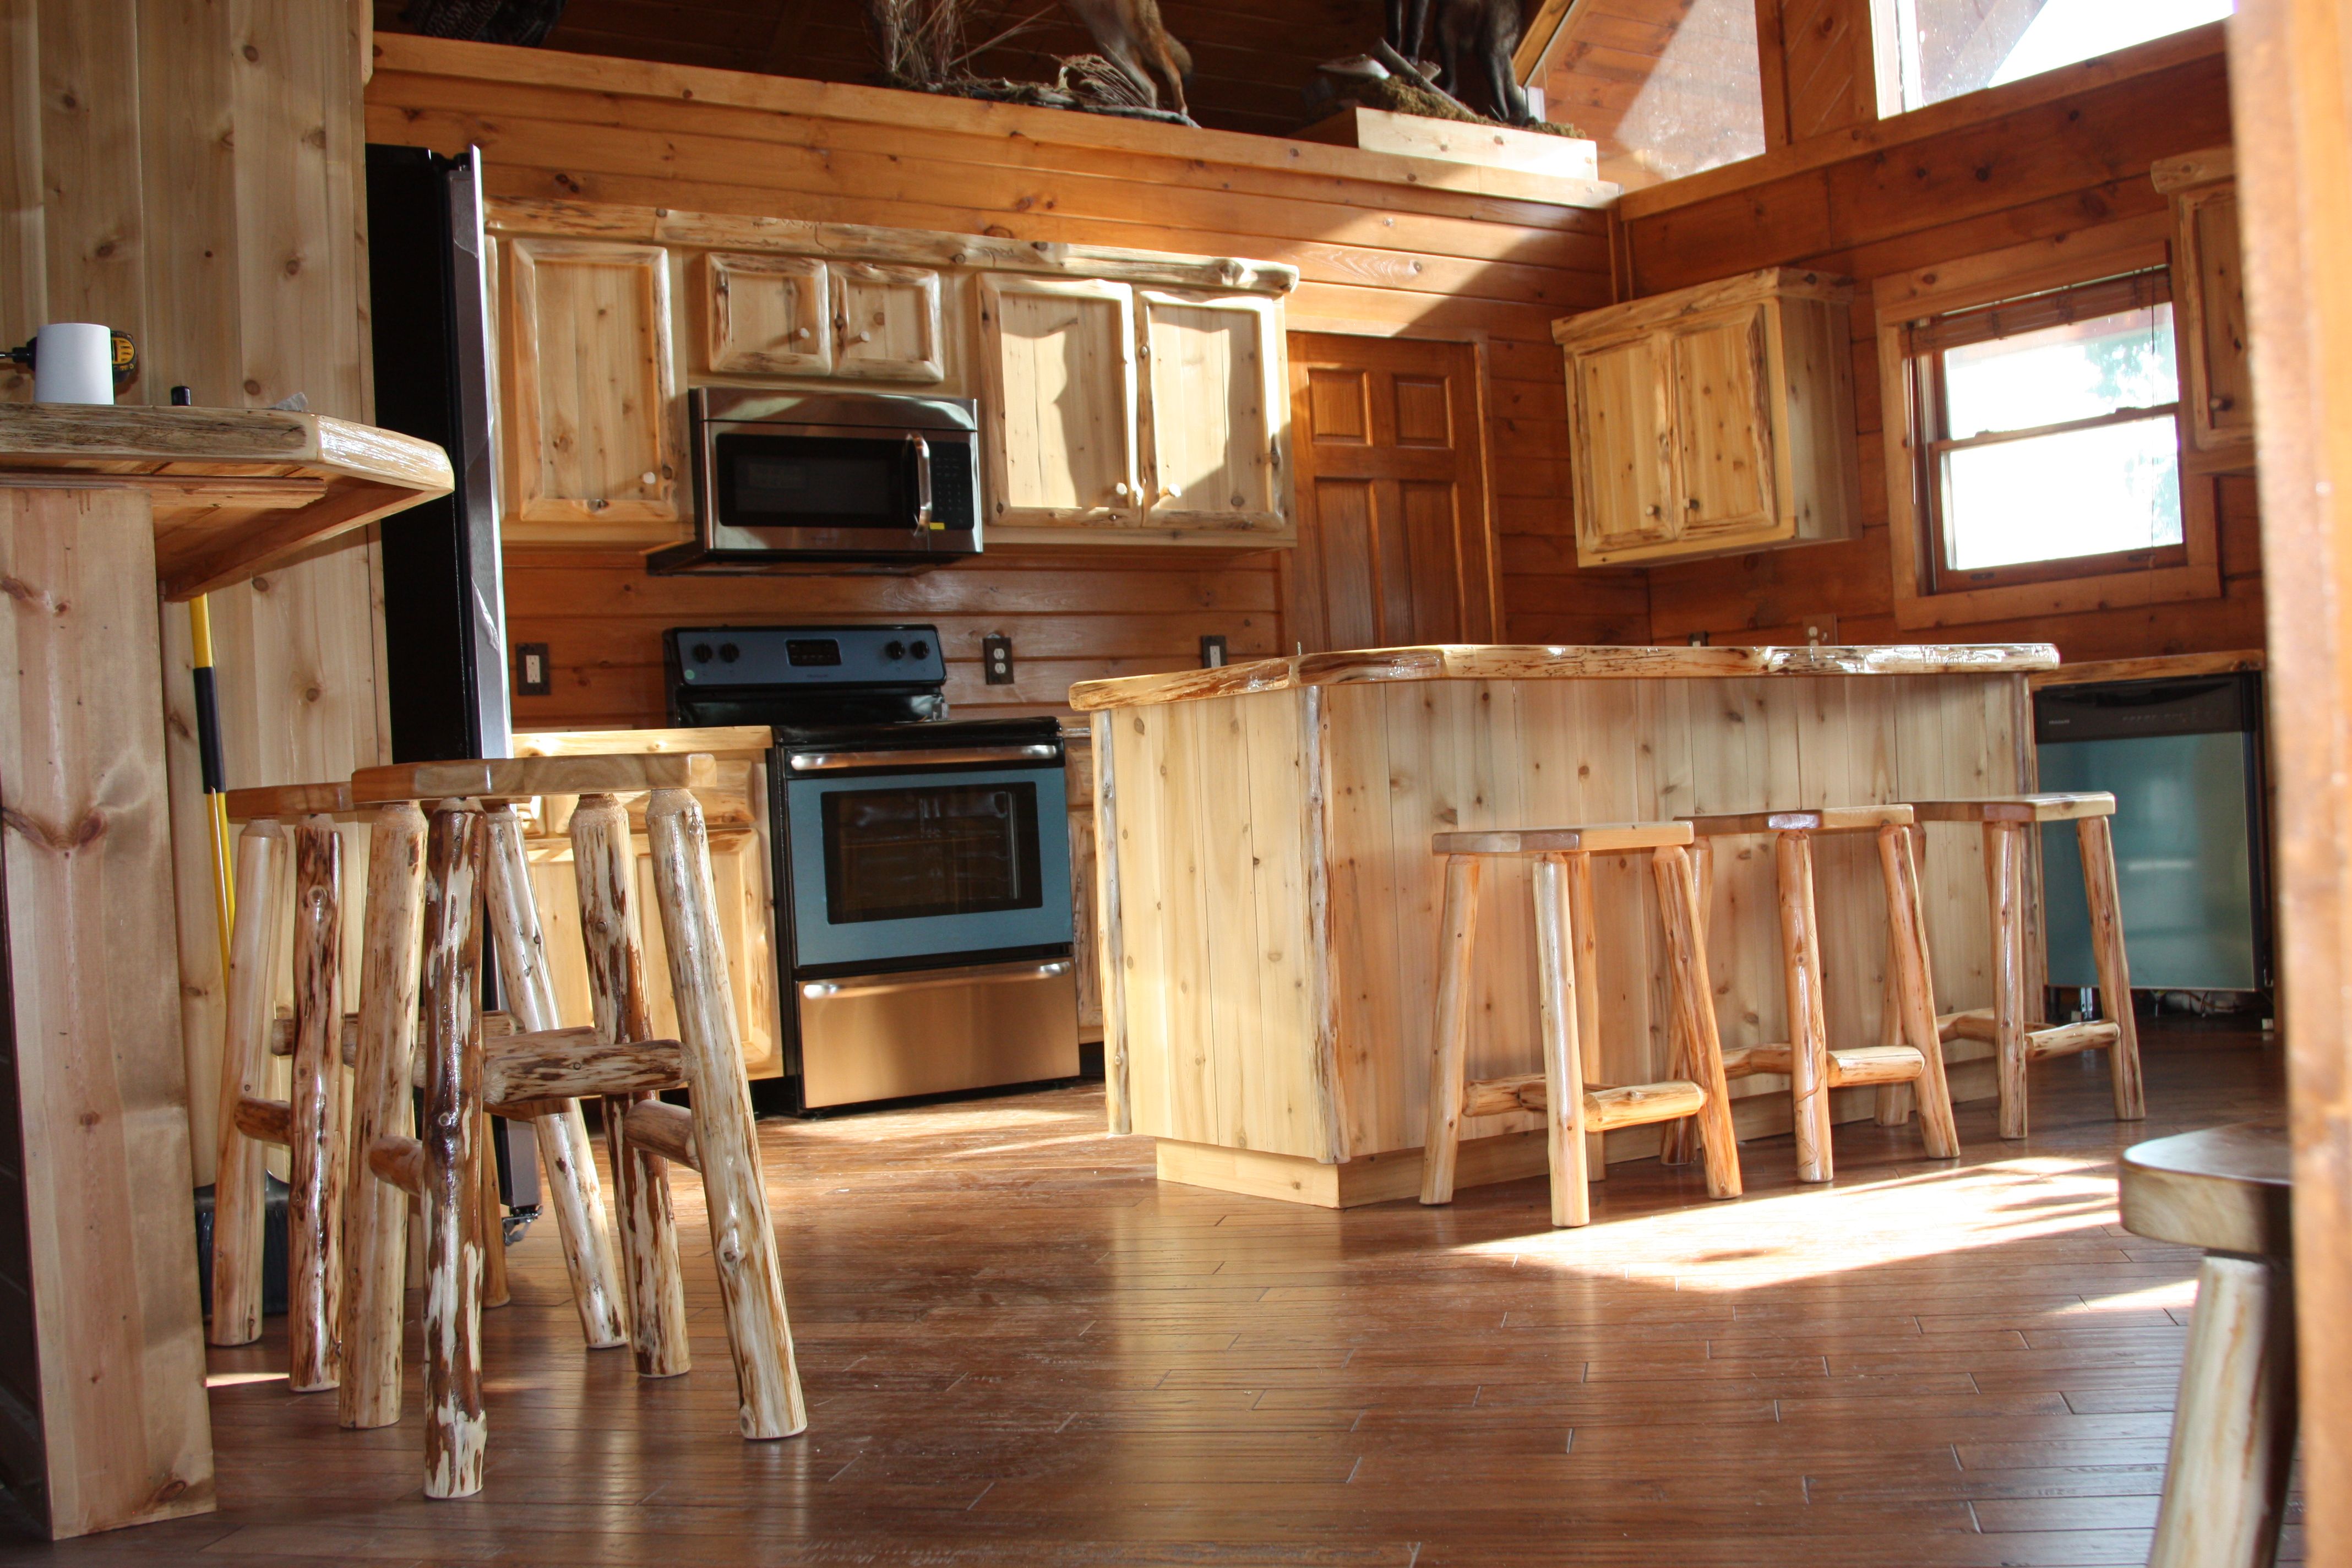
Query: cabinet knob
{"x": 865, "y": 337}
{"x": 2217, "y": 404}
{"x": 1119, "y": 489}
{"x": 800, "y": 331}
{"x": 1653, "y": 510}
{"x": 1692, "y": 504}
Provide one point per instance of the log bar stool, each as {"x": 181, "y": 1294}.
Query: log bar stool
{"x": 2225, "y": 1189}
{"x": 610, "y": 1059}
{"x": 2005, "y": 819}
{"x": 1813, "y": 1069}
{"x": 1572, "y": 1108}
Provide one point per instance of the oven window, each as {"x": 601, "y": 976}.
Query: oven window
{"x": 814, "y": 481}
{"x": 917, "y": 850}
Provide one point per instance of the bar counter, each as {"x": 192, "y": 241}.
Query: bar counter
{"x": 1268, "y": 908}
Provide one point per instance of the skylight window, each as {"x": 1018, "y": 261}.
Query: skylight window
{"x": 1947, "y": 48}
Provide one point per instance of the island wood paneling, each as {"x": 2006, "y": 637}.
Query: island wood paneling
{"x": 1385, "y": 246}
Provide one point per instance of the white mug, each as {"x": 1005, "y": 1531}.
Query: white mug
{"x": 73, "y": 361}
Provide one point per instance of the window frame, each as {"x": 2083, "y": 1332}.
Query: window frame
{"x": 1924, "y": 597}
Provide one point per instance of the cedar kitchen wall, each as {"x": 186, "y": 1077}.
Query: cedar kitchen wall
{"x": 2001, "y": 168}
{"x": 1382, "y": 251}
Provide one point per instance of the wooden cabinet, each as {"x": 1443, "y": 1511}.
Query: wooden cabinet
{"x": 2208, "y": 308}
{"x": 1713, "y": 420}
{"x": 1134, "y": 415}
{"x": 885, "y": 323}
{"x": 768, "y": 315}
{"x": 593, "y": 436}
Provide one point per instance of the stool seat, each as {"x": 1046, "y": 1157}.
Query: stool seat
{"x": 1595, "y": 839}
{"x": 2228, "y": 1188}
{"x": 2054, "y": 807}
{"x": 1810, "y": 819}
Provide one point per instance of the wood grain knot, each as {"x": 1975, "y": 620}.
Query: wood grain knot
{"x": 88, "y": 831}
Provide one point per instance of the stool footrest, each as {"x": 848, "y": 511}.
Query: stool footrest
{"x": 1745, "y": 1061}
{"x": 398, "y": 1161}
{"x": 1626, "y": 1105}
{"x": 1975, "y": 1023}
{"x": 576, "y": 1064}
{"x": 663, "y": 1129}
{"x": 2065, "y": 1040}
{"x": 495, "y": 1026}
{"x": 265, "y": 1120}
{"x": 1876, "y": 1065}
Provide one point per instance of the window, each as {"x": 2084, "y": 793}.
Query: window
{"x": 2047, "y": 435}
{"x": 1662, "y": 96}
{"x": 1945, "y": 48}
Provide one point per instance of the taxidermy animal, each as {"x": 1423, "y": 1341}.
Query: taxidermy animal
{"x": 1130, "y": 33}
{"x": 1475, "y": 39}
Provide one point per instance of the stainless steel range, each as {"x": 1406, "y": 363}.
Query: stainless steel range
{"x": 923, "y": 868}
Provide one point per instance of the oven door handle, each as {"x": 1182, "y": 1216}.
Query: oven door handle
{"x": 932, "y": 980}
{"x": 922, "y": 480}
{"x": 831, "y": 761}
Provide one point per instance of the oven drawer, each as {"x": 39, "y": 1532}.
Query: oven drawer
{"x": 884, "y": 1037}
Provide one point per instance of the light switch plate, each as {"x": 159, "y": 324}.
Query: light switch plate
{"x": 1212, "y": 652}
{"x": 533, "y": 674}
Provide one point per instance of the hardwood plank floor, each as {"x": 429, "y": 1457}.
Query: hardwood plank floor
{"x": 1019, "y": 1349}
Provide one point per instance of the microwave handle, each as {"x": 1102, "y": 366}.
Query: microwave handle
{"x": 922, "y": 480}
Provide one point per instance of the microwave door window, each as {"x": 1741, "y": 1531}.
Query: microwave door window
{"x": 812, "y": 481}
{"x": 910, "y": 852}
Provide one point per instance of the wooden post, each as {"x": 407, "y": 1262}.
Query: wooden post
{"x": 490, "y": 1215}
{"x": 375, "y": 1214}
{"x": 257, "y": 946}
{"x": 1584, "y": 946}
{"x": 2095, "y": 835}
{"x": 1695, "y": 1002}
{"x": 2233, "y": 1427}
{"x": 455, "y": 1430}
{"x": 604, "y": 866}
{"x": 1914, "y": 985}
{"x": 2004, "y": 865}
{"x": 1109, "y": 937}
{"x": 314, "y": 1232}
{"x": 743, "y": 1243}
{"x": 1555, "y": 1007}
{"x": 565, "y": 1156}
{"x": 1458, "y": 929}
{"x": 1809, "y": 1030}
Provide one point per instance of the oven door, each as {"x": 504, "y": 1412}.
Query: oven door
{"x": 941, "y": 863}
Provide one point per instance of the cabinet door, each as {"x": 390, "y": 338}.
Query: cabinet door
{"x": 768, "y": 315}
{"x": 2209, "y": 302}
{"x": 1723, "y": 426}
{"x": 885, "y": 323}
{"x": 1618, "y": 392}
{"x": 590, "y": 423}
{"x": 1216, "y": 423}
{"x": 1057, "y": 363}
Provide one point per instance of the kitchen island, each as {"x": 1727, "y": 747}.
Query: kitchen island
{"x": 1268, "y": 908}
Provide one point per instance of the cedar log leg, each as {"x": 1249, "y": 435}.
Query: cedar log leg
{"x": 1695, "y": 1004}
{"x": 455, "y": 1429}
{"x": 2234, "y": 1427}
{"x": 1457, "y": 929}
{"x": 742, "y": 1241}
{"x": 2095, "y": 835}
{"x": 1563, "y": 1064}
{"x": 257, "y": 949}
{"x": 1584, "y": 945}
{"x": 2004, "y": 864}
{"x": 314, "y": 1232}
{"x": 375, "y": 1213}
{"x": 491, "y": 1224}
{"x": 1800, "y": 970}
{"x": 565, "y": 1156}
{"x": 603, "y": 865}
{"x": 1915, "y": 993}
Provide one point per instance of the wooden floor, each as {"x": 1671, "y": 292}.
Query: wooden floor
{"x": 1019, "y": 1348}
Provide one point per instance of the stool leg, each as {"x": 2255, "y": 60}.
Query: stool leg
{"x": 566, "y": 1158}
{"x": 2233, "y": 1427}
{"x": 1809, "y": 1037}
{"x": 2004, "y": 861}
{"x": 455, "y": 1430}
{"x": 1695, "y": 1004}
{"x": 604, "y": 866}
{"x": 314, "y": 1232}
{"x": 1563, "y": 1065}
{"x": 1584, "y": 945}
{"x": 1896, "y": 1101}
{"x": 375, "y": 1213}
{"x": 2095, "y": 835}
{"x": 742, "y": 1242}
{"x": 1915, "y": 992}
{"x": 257, "y": 956}
{"x": 1457, "y": 929}
{"x": 490, "y": 1213}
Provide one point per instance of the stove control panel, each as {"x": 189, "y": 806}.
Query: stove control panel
{"x": 713, "y": 657}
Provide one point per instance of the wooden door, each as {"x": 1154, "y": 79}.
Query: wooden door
{"x": 2209, "y": 299}
{"x": 1215, "y": 419}
{"x": 592, "y": 431}
{"x": 1395, "y": 541}
{"x": 1057, "y": 364}
{"x": 767, "y": 315}
{"x": 885, "y": 323}
{"x": 1723, "y": 427}
{"x": 1620, "y": 415}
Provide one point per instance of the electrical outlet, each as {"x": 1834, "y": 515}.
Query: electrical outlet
{"x": 1821, "y": 631}
{"x": 534, "y": 677}
{"x": 996, "y": 659}
{"x": 1212, "y": 653}
{"x": 1697, "y": 639}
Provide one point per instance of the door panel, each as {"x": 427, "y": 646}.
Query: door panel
{"x": 1213, "y": 433}
{"x": 1394, "y": 540}
{"x": 1723, "y": 447}
{"x": 1622, "y": 418}
{"x": 1058, "y": 359}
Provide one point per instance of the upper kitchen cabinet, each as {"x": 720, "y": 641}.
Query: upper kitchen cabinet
{"x": 2209, "y": 307}
{"x": 768, "y": 315}
{"x": 592, "y": 440}
{"x": 885, "y": 323}
{"x": 1213, "y": 412}
{"x": 1714, "y": 420}
{"x": 1058, "y": 403}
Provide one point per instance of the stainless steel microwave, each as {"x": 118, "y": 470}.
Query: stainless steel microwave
{"x": 787, "y": 481}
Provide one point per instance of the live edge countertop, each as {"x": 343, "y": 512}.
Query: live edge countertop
{"x": 1505, "y": 661}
